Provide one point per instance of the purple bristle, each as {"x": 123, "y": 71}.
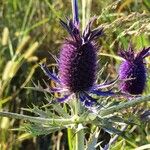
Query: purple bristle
{"x": 133, "y": 76}
{"x": 77, "y": 65}
{"x": 77, "y": 62}
{"x": 132, "y": 71}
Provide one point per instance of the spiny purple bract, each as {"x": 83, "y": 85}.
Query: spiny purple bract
{"x": 132, "y": 71}
{"x": 77, "y": 64}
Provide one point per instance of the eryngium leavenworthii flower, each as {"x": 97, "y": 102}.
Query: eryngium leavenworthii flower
{"x": 132, "y": 71}
{"x": 77, "y": 63}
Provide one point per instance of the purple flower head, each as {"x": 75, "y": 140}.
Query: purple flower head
{"x": 132, "y": 71}
{"x": 77, "y": 62}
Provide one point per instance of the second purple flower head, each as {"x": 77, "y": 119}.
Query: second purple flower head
{"x": 132, "y": 71}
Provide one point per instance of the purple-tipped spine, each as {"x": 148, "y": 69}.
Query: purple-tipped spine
{"x": 75, "y": 12}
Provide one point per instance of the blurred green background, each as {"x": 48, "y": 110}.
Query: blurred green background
{"x": 30, "y": 29}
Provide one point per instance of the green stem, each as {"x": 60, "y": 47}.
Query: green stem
{"x": 80, "y": 140}
{"x": 125, "y": 105}
{"x": 79, "y": 135}
{"x": 70, "y": 136}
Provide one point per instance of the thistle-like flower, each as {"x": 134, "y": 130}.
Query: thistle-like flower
{"x": 78, "y": 63}
{"x": 132, "y": 71}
